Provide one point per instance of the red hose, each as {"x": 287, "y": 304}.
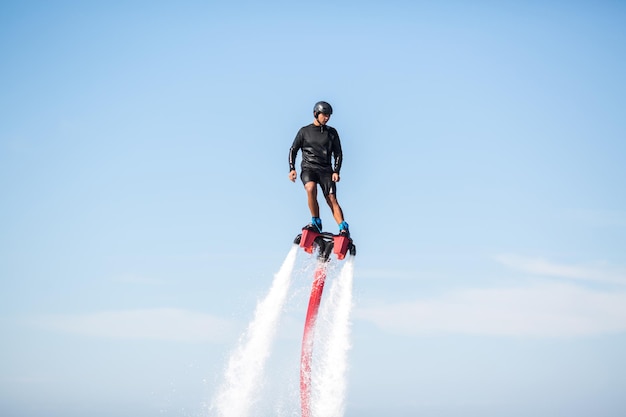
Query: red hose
{"x": 307, "y": 338}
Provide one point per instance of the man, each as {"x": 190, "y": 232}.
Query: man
{"x": 319, "y": 144}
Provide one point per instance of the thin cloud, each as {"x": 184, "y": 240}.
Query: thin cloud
{"x": 540, "y": 311}
{"x": 154, "y": 324}
{"x": 542, "y": 267}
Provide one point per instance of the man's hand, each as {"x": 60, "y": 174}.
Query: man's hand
{"x": 293, "y": 175}
{"x": 335, "y": 177}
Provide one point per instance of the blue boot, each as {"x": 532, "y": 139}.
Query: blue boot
{"x": 344, "y": 229}
{"x": 316, "y": 224}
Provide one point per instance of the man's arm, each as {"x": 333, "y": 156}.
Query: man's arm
{"x": 293, "y": 152}
{"x": 337, "y": 153}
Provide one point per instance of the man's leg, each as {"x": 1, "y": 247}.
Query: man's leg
{"x": 331, "y": 199}
{"x": 311, "y": 192}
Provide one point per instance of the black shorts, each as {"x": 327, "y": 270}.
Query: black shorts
{"x": 324, "y": 179}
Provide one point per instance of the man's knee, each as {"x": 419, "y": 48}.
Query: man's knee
{"x": 310, "y": 187}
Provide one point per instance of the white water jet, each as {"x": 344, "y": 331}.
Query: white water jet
{"x": 243, "y": 376}
{"x": 329, "y": 378}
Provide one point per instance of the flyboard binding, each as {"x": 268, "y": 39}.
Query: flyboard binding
{"x": 326, "y": 242}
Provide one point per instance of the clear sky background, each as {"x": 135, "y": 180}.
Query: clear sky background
{"x": 145, "y": 204}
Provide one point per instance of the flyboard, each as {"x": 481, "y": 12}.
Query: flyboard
{"x": 326, "y": 244}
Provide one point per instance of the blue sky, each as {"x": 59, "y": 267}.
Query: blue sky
{"x": 145, "y": 203}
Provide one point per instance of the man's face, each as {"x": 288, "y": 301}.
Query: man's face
{"x": 323, "y": 118}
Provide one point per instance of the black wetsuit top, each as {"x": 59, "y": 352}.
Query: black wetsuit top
{"x": 319, "y": 144}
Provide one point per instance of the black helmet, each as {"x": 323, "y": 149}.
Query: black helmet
{"x": 322, "y": 107}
